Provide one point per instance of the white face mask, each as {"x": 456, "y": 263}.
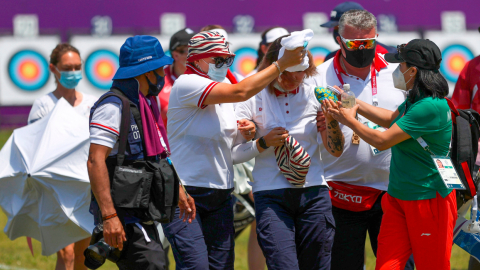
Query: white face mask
{"x": 216, "y": 74}
{"x": 399, "y": 80}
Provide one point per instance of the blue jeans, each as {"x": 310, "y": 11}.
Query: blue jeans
{"x": 295, "y": 227}
{"x": 208, "y": 242}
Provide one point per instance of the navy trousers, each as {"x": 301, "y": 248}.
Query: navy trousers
{"x": 295, "y": 227}
{"x": 208, "y": 242}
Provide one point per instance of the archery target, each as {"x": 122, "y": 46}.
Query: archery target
{"x": 24, "y": 74}
{"x": 100, "y": 67}
{"x": 454, "y": 58}
{"x": 245, "y": 60}
{"x": 28, "y": 70}
{"x": 319, "y": 54}
{"x": 456, "y": 50}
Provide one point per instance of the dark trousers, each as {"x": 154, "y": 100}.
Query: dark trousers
{"x": 351, "y": 232}
{"x": 208, "y": 242}
{"x": 139, "y": 253}
{"x": 295, "y": 227}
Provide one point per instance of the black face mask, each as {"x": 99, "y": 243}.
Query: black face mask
{"x": 335, "y": 35}
{"x": 153, "y": 89}
{"x": 359, "y": 58}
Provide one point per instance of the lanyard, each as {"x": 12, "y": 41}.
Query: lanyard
{"x": 373, "y": 78}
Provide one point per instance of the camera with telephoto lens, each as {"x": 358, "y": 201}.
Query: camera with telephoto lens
{"x": 99, "y": 250}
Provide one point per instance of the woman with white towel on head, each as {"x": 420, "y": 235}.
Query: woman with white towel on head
{"x": 295, "y": 225}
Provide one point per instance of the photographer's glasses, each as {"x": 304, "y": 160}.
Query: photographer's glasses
{"x": 356, "y": 44}
{"x": 219, "y": 61}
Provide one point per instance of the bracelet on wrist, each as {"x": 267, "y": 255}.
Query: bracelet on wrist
{"x": 278, "y": 67}
{"x": 109, "y": 216}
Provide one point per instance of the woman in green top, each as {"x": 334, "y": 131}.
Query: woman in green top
{"x": 419, "y": 210}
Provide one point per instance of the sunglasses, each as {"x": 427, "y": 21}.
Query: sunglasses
{"x": 219, "y": 61}
{"x": 355, "y": 44}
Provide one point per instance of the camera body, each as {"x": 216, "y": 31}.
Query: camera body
{"x": 99, "y": 251}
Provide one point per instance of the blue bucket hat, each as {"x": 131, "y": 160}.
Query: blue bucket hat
{"x": 139, "y": 55}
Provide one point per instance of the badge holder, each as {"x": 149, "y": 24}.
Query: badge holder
{"x": 445, "y": 168}
{"x": 372, "y": 125}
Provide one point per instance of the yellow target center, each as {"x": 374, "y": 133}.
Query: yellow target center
{"x": 105, "y": 70}
{"x": 29, "y": 70}
{"x": 248, "y": 65}
{"x": 457, "y": 63}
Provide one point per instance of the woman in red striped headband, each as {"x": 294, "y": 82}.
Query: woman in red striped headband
{"x": 202, "y": 127}
{"x": 295, "y": 225}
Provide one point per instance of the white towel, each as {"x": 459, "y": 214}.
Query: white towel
{"x": 272, "y": 115}
{"x": 295, "y": 40}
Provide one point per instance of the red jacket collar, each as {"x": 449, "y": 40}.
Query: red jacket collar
{"x": 379, "y": 60}
{"x": 279, "y": 93}
{"x": 193, "y": 70}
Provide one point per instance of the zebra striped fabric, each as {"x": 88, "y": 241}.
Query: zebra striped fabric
{"x": 293, "y": 161}
{"x": 207, "y": 44}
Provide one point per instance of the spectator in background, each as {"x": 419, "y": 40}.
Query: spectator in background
{"x": 268, "y": 36}
{"x": 335, "y": 16}
{"x": 66, "y": 66}
{"x": 178, "y": 50}
{"x": 465, "y": 96}
{"x": 359, "y": 63}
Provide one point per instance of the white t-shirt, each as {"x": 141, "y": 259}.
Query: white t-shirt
{"x": 200, "y": 136}
{"x": 105, "y": 126}
{"x": 44, "y": 105}
{"x": 357, "y": 165}
{"x": 300, "y": 112}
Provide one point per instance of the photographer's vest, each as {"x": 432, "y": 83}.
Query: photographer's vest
{"x": 142, "y": 188}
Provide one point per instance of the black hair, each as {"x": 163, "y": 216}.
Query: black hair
{"x": 429, "y": 82}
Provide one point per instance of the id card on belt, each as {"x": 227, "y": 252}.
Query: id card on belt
{"x": 447, "y": 172}
{"x": 372, "y": 125}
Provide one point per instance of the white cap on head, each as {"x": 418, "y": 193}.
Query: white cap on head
{"x": 275, "y": 33}
{"x": 221, "y": 32}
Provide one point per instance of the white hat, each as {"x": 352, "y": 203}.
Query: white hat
{"x": 275, "y": 33}
{"x": 221, "y": 32}
{"x": 295, "y": 40}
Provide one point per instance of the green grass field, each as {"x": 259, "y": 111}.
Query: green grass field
{"x": 16, "y": 255}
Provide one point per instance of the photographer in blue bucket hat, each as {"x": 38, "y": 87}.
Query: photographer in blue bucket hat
{"x": 132, "y": 178}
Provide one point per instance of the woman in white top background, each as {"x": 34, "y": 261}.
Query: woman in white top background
{"x": 66, "y": 66}
{"x": 201, "y": 130}
{"x": 295, "y": 225}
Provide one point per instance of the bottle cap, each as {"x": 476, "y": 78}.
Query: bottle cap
{"x": 346, "y": 87}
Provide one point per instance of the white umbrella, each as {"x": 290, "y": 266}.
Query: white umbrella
{"x": 44, "y": 184}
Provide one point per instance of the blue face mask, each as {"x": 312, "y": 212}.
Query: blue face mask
{"x": 70, "y": 79}
{"x": 216, "y": 74}
{"x": 153, "y": 89}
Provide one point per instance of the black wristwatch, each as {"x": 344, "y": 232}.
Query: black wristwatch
{"x": 262, "y": 143}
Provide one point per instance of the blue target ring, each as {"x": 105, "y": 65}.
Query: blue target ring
{"x": 100, "y": 67}
{"x": 28, "y": 70}
{"x": 454, "y": 58}
{"x": 245, "y": 60}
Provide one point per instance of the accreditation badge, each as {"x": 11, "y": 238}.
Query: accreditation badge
{"x": 447, "y": 172}
{"x": 372, "y": 125}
